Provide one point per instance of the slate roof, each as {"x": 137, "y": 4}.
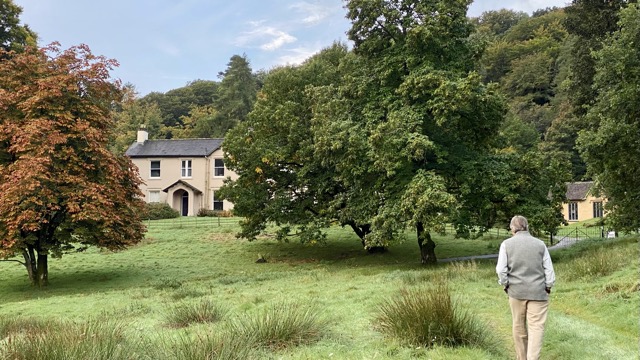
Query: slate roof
{"x": 174, "y": 148}
{"x": 578, "y": 190}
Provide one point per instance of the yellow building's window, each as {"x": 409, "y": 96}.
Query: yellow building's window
{"x": 573, "y": 211}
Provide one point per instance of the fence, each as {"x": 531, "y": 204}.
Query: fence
{"x": 569, "y": 236}
{"x": 192, "y": 222}
{"x": 564, "y": 236}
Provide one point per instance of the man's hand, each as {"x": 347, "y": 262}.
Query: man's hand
{"x": 548, "y": 290}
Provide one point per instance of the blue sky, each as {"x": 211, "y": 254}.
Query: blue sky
{"x": 164, "y": 44}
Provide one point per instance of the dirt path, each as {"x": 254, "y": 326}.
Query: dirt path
{"x": 561, "y": 244}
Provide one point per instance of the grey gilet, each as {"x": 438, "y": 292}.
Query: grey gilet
{"x": 526, "y": 272}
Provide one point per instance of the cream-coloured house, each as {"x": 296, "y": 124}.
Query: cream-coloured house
{"x": 581, "y": 204}
{"x": 184, "y": 173}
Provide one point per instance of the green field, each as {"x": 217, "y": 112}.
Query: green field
{"x": 594, "y": 307}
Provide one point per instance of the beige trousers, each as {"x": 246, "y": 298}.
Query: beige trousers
{"x": 528, "y": 317}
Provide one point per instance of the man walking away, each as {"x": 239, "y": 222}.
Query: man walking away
{"x": 525, "y": 270}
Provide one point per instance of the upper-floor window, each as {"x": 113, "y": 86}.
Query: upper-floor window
{"x": 218, "y": 167}
{"x": 573, "y": 211}
{"x": 155, "y": 169}
{"x": 597, "y": 209}
{"x": 186, "y": 168}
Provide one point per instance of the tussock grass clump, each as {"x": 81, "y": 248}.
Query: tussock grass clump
{"x": 52, "y": 340}
{"x": 166, "y": 283}
{"x": 427, "y": 316}
{"x": 623, "y": 289}
{"x": 185, "y": 314}
{"x": 182, "y": 293}
{"x": 592, "y": 264}
{"x": 221, "y": 346}
{"x": 280, "y": 326}
{"x": 466, "y": 270}
{"x": 11, "y": 326}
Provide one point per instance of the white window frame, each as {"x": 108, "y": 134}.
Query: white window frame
{"x": 598, "y": 209}
{"x": 573, "y": 211}
{"x": 151, "y": 169}
{"x": 217, "y": 168}
{"x": 150, "y": 200}
{"x": 213, "y": 203}
{"x": 186, "y": 168}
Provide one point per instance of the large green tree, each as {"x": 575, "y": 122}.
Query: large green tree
{"x": 611, "y": 145}
{"x": 131, "y": 115}
{"x": 285, "y": 158}
{"x": 434, "y": 127}
{"x": 13, "y": 35}
{"x": 60, "y": 187}
{"x": 177, "y": 103}
{"x": 238, "y": 89}
{"x": 589, "y": 21}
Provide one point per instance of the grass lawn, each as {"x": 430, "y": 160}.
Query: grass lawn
{"x": 593, "y": 313}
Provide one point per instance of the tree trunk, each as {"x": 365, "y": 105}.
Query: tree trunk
{"x": 37, "y": 266}
{"x": 43, "y": 269}
{"x": 427, "y": 246}
{"x": 362, "y": 232}
{"x": 29, "y": 264}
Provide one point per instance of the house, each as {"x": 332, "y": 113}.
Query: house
{"x": 581, "y": 204}
{"x": 184, "y": 173}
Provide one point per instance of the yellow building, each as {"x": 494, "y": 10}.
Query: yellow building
{"x": 185, "y": 173}
{"x": 581, "y": 204}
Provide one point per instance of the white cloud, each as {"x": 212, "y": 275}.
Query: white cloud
{"x": 265, "y": 37}
{"x": 297, "y": 56}
{"x": 313, "y": 14}
{"x": 479, "y": 6}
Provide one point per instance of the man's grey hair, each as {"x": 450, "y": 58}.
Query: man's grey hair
{"x": 519, "y": 223}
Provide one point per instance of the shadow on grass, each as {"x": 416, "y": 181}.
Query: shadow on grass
{"x": 64, "y": 282}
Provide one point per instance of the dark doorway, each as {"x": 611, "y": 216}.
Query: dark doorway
{"x": 185, "y": 204}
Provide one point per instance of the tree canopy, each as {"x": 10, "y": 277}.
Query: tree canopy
{"x": 400, "y": 131}
{"x": 60, "y": 187}
{"x": 611, "y": 146}
{"x": 14, "y": 36}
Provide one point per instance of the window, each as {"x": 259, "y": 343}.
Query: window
{"x": 155, "y": 169}
{"x": 186, "y": 168}
{"x": 218, "y": 167}
{"x": 217, "y": 204}
{"x": 573, "y": 211}
{"x": 154, "y": 196}
{"x": 597, "y": 209}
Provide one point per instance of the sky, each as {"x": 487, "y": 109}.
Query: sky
{"x": 164, "y": 44}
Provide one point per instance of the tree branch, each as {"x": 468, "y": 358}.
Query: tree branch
{"x": 18, "y": 261}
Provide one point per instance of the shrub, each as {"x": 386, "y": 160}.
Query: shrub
{"x": 185, "y": 314}
{"x": 427, "y": 316}
{"x": 159, "y": 211}
{"x": 214, "y": 213}
{"x": 280, "y": 326}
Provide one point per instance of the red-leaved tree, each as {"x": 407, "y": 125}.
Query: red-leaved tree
{"x": 61, "y": 189}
